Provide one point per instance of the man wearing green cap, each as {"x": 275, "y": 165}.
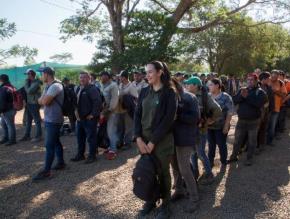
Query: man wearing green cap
{"x": 210, "y": 111}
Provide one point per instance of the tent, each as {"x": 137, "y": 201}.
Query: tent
{"x": 17, "y": 76}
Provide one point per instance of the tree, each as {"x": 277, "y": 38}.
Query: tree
{"x": 108, "y": 20}
{"x": 7, "y": 30}
{"x": 62, "y": 57}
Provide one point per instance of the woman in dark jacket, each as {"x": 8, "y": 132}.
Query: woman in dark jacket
{"x": 185, "y": 134}
{"x": 154, "y": 117}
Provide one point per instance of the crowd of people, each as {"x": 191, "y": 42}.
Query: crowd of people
{"x": 173, "y": 117}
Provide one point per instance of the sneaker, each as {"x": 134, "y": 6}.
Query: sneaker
{"x": 177, "y": 196}
{"x": 37, "y": 139}
{"x": 147, "y": 208}
{"x": 9, "y": 143}
{"x": 77, "y": 158}
{"x": 206, "y": 180}
{"x": 59, "y": 166}
{"x": 106, "y": 151}
{"x": 164, "y": 212}
{"x": 90, "y": 160}
{"x": 4, "y": 140}
{"x": 232, "y": 160}
{"x": 111, "y": 155}
{"x": 191, "y": 207}
{"x": 25, "y": 138}
{"x": 248, "y": 162}
{"x": 41, "y": 176}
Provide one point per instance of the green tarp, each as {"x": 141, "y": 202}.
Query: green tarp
{"x": 17, "y": 76}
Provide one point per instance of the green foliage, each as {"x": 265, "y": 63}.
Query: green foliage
{"x": 72, "y": 74}
{"x": 141, "y": 37}
{"x": 62, "y": 57}
{"x": 6, "y": 29}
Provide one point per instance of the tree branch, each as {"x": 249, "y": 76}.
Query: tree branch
{"x": 217, "y": 21}
{"x": 162, "y": 6}
{"x": 95, "y": 10}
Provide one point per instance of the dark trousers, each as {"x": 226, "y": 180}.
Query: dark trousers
{"x": 217, "y": 137}
{"x": 86, "y": 131}
{"x": 281, "y": 124}
{"x": 262, "y": 133}
{"x": 32, "y": 113}
{"x": 52, "y": 144}
{"x": 246, "y": 129}
{"x": 72, "y": 120}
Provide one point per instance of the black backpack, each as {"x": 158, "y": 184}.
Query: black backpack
{"x": 69, "y": 100}
{"x": 146, "y": 180}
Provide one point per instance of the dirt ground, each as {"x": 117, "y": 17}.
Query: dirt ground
{"x": 104, "y": 189}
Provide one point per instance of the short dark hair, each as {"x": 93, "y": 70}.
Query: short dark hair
{"x": 264, "y": 75}
{"x": 4, "y": 78}
{"x": 282, "y": 73}
{"x": 93, "y": 75}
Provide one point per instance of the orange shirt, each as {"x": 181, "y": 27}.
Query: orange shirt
{"x": 278, "y": 86}
{"x": 287, "y": 85}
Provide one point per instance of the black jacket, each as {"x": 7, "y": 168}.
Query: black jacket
{"x": 250, "y": 107}
{"x": 270, "y": 95}
{"x": 89, "y": 102}
{"x": 163, "y": 118}
{"x": 6, "y": 98}
{"x": 186, "y": 124}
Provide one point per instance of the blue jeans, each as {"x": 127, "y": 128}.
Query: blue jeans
{"x": 32, "y": 113}
{"x": 272, "y": 126}
{"x": 200, "y": 149}
{"x": 86, "y": 131}
{"x": 8, "y": 125}
{"x": 52, "y": 144}
{"x": 217, "y": 137}
{"x": 112, "y": 131}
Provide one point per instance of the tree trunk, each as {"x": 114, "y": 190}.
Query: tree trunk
{"x": 170, "y": 28}
{"x": 115, "y": 9}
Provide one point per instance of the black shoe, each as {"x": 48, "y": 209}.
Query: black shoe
{"x": 231, "y": 160}
{"x": 176, "y": 197}
{"x": 4, "y": 140}
{"x": 25, "y": 138}
{"x": 164, "y": 212}
{"x": 90, "y": 160}
{"x": 147, "y": 208}
{"x": 59, "y": 166}
{"x": 9, "y": 143}
{"x": 77, "y": 158}
{"x": 248, "y": 162}
{"x": 41, "y": 176}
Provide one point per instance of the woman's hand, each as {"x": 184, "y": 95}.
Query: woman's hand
{"x": 141, "y": 146}
{"x": 226, "y": 129}
{"x": 150, "y": 147}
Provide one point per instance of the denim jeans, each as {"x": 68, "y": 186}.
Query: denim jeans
{"x": 52, "y": 144}
{"x": 272, "y": 126}
{"x": 200, "y": 149}
{"x": 246, "y": 129}
{"x": 32, "y": 113}
{"x": 8, "y": 125}
{"x": 112, "y": 131}
{"x": 217, "y": 137}
{"x": 86, "y": 131}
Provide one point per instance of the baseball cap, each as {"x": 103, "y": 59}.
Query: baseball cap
{"x": 124, "y": 74}
{"x": 30, "y": 71}
{"x": 47, "y": 70}
{"x": 193, "y": 80}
